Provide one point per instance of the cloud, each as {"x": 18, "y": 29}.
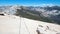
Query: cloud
{"x": 43, "y": 5}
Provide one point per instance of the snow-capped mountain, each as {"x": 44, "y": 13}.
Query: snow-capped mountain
{"x": 50, "y": 14}
{"x": 9, "y": 9}
{"x": 42, "y": 13}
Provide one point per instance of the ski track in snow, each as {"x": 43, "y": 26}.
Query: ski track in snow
{"x": 11, "y": 24}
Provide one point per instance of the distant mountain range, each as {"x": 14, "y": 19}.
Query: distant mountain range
{"x": 46, "y": 14}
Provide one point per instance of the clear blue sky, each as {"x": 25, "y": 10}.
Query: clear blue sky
{"x": 30, "y": 2}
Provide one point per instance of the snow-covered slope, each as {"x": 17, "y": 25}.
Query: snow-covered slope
{"x": 9, "y": 9}
{"x": 11, "y": 24}
{"x": 43, "y": 27}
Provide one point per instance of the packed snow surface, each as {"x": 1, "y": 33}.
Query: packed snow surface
{"x": 11, "y": 24}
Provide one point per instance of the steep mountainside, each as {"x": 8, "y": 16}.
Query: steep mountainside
{"x": 46, "y": 14}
